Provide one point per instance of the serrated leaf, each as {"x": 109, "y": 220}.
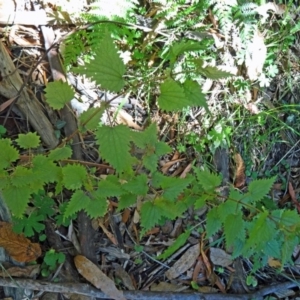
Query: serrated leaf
{"x": 290, "y": 218}
{"x": 90, "y": 119}
{"x": 78, "y": 201}
{"x": 213, "y": 223}
{"x": 201, "y": 200}
{"x": 150, "y": 162}
{"x": 167, "y": 208}
{"x": 210, "y": 72}
{"x": 162, "y": 148}
{"x": 260, "y": 188}
{"x": 126, "y": 200}
{"x": 8, "y": 153}
{"x": 29, "y": 225}
{"x": 272, "y": 249}
{"x": 28, "y": 140}
{"x": 43, "y": 204}
{"x": 209, "y": 181}
{"x": 226, "y": 208}
{"x": 261, "y": 231}
{"x": 146, "y": 137}
{"x": 114, "y": 146}
{"x": 44, "y": 169}
{"x": 234, "y": 227}
{"x": 150, "y": 215}
{"x": 107, "y": 68}
{"x": 97, "y": 205}
{"x": 180, "y": 241}
{"x": 183, "y": 46}
{"x": 172, "y": 96}
{"x": 58, "y": 93}
{"x": 138, "y": 185}
{"x": 60, "y": 154}
{"x": 17, "y": 199}
{"x": 194, "y": 94}
{"x": 110, "y": 187}
{"x": 21, "y": 176}
{"x": 74, "y": 176}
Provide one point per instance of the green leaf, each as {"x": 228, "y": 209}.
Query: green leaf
{"x": 213, "y": 223}
{"x": 60, "y": 154}
{"x": 58, "y": 93}
{"x": 107, "y": 68}
{"x": 226, "y": 208}
{"x": 180, "y": 241}
{"x": 114, "y": 146}
{"x": 167, "y": 208}
{"x": 214, "y": 73}
{"x": 17, "y": 199}
{"x": 43, "y": 204}
{"x": 8, "y": 153}
{"x": 290, "y": 218}
{"x": 150, "y": 215}
{"x": 22, "y": 176}
{"x": 172, "y": 96}
{"x": 138, "y": 185}
{"x": 260, "y": 232}
{"x": 184, "y": 46}
{"x": 194, "y": 94}
{"x": 208, "y": 180}
{"x": 74, "y": 176}
{"x": 126, "y": 200}
{"x": 44, "y": 169}
{"x": 234, "y": 227}
{"x": 110, "y": 187}
{"x": 29, "y": 140}
{"x": 97, "y": 205}
{"x": 260, "y": 188}
{"x": 78, "y": 201}
{"x": 91, "y": 118}
{"x": 201, "y": 201}
{"x": 29, "y": 224}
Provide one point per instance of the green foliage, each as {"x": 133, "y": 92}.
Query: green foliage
{"x": 29, "y": 140}
{"x": 58, "y": 93}
{"x": 51, "y": 261}
{"x": 250, "y": 226}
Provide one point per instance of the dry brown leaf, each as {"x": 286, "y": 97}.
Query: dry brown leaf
{"x": 293, "y": 197}
{"x": 124, "y": 276}
{"x": 240, "y": 177}
{"x": 96, "y": 277}
{"x": 220, "y": 257}
{"x": 274, "y": 263}
{"x": 184, "y": 263}
{"x": 25, "y": 272}
{"x": 17, "y": 245}
{"x": 108, "y": 234}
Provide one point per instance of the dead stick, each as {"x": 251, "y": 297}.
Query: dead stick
{"x": 86, "y": 289}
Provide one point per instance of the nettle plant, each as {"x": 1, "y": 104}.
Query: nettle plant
{"x": 249, "y": 229}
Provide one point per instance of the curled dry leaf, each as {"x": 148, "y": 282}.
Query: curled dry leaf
{"x": 96, "y": 277}
{"x": 184, "y": 263}
{"x": 25, "y": 272}
{"x": 240, "y": 176}
{"x": 220, "y": 257}
{"x": 17, "y": 245}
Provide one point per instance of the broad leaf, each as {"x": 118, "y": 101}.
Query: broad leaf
{"x": 60, "y": 153}
{"x": 234, "y": 227}
{"x": 260, "y": 188}
{"x": 29, "y": 140}
{"x": 138, "y": 185}
{"x": 208, "y": 180}
{"x": 29, "y": 225}
{"x": 97, "y": 205}
{"x": 194, "y": 94}
{"x": 107, "y": 68}
{"x": 74, "y": 176}
{"x": 78, "y": 201}
{"x": 58, "y": 93}
{"x": 90, "y": 119}
{"x": 172, "y": 96}
{"x": 17, "y": 199}
{"x": 150, "y": 215}
{"x": 114, "y": 146}
{"x": 8, "y": 153}
{"x": 213, "y": 223}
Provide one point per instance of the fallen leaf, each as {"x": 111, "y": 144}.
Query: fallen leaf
{"x": 96, "y": 277}
{"x": 167, "y": 287}
{"x": 184, "y": 263}
{"x": 18, "y": 246}
{"x": 240, "y": 177}
{"x": 274, "y": 263}
{"x": 25, "y": 272}
{"x": 124, "y": 276}
{"x": 220, "y": 257}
